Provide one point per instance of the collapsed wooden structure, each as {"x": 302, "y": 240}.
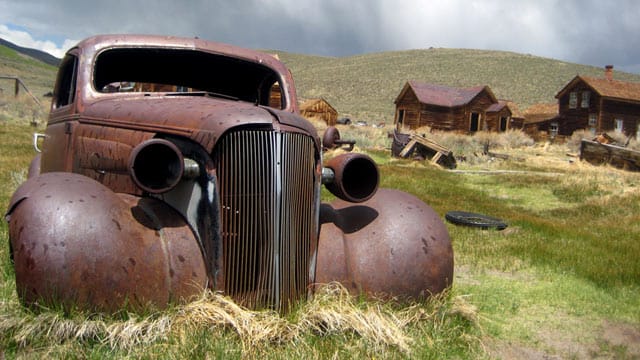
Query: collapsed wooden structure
{"x": 407, "y": 145}
{"x": 599, "y": 153}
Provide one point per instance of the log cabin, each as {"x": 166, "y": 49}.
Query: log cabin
{"x": 599, "y": 105}
{"x": 463, "y": 110}
{"x": 319, "y": 109}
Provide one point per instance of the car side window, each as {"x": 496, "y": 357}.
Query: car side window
{"x": 64, "y": 93}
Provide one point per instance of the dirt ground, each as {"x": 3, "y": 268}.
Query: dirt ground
{"x": 609, "y": 341}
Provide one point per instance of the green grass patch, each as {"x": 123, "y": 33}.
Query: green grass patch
{"x": 564, "y": 271}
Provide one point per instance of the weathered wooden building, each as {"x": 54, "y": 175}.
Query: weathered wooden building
{"x": 517, "y": 117}
{"x": 464, "y": 110}
{"x": 538, "y": 118}
{"x": 319, "y": 109}
{"x": 499, "y": 116}
{"x": 598, "y": 104}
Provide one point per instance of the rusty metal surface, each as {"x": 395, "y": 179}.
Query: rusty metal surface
{"x": 77, "y": 244}
{"x": 332, "y": 140}
{"x": 246, "y": 219}
{"x": 156, "y": 165}
{"x": 355, "y": 177}
{"x": 391, "y": 245}
{"x": 89, "y": 47}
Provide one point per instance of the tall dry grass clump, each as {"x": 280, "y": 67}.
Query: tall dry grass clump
{"x": 22, "y": 109}
{"x": 331, "y": 312}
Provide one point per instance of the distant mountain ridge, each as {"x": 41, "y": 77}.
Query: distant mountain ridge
{"x": 36, "y": 54}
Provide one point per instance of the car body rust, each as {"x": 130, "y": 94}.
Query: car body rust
{"x": 173, "y": 165}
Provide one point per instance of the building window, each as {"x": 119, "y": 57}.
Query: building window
{"x": 593, "y": 122}
{"x": 573, "y": 100}
{"x": 586, "y": 96}
{"x": 553, "y": 129}
{"x": 619, "y": 124}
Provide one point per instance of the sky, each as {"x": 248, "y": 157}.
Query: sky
{"x": 589, "y": 32}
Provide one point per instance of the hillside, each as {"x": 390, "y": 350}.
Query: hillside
{"x": 38, "y": 76}
{"x": 36, "y": 54}
{"x": 365, "y": 86}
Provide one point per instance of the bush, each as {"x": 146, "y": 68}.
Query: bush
{"x": 573, "y": 143}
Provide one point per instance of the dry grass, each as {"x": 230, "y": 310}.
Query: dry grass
{"x": 332, "y": 311}
{"x": 22, "y": 109}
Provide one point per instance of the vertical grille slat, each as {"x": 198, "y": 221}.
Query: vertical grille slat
{"x": 268, "y": 215}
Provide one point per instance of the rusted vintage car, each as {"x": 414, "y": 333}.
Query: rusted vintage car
{"x": 171, "y": 165}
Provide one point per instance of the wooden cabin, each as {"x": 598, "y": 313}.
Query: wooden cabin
{"x": 319, "y": 109}
{"x": 498, "y": 116}
{"x": 600, "y": 105}
{"x": 538, "y": 121}
{"x": 517, "y": 117}
{"x": 464, "y": 110}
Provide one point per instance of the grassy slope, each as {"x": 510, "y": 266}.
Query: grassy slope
{"x": 365, "y": 86}
{"x": 38, "y": 76}
{"x": 547, "y": 286}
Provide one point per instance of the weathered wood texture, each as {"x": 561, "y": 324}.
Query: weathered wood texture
{"x": 463, "y": 110}
{"x": 620, "y": 157}
{"x": 319, "y": 109}
{"x": 407, "y": 145}
{"x": 607, "y": 102}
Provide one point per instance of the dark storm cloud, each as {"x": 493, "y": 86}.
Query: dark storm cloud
{"x": 601, "y": 32}
{"x": 322, "y": 27}
{"x": 588, "y": 32}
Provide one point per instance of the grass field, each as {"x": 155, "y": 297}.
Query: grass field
{"x": 561, "y": 281}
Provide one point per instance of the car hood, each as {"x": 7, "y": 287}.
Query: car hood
{"x": 201, "y": 118}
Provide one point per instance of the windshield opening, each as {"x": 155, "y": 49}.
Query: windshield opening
{"x": 181, "y": 71}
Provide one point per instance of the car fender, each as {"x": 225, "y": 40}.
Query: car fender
{"x": 392, "y": 245}
{"x": 77, "y": 244}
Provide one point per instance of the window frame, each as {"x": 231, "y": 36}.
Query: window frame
{"x": 618, "y": 125}
{"x": 586, "y": 99}
{"x": 573, "y": 100}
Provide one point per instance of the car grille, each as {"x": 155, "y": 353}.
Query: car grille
{"x": 268, "y": 195}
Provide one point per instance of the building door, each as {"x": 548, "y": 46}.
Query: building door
{"x": 503, "y": 124}
{"x": 400, "y": 122}
{"x": 475, "y": 122}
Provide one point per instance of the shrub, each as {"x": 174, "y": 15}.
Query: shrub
{"x": 573, "y": 143}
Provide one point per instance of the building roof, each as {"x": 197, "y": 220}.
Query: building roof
{"x": 310, "y": 103}
{"x": 515, "y": 109}
{"x": 442, "y": 95}
{"x": 540, "y": 112}
{"x": 495, "y": 107}
{"x": 615, "y": 89}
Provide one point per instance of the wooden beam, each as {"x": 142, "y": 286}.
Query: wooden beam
{"x": 19, "y": 83}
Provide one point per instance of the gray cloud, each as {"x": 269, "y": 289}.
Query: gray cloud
{"x": 582, "y": 31}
